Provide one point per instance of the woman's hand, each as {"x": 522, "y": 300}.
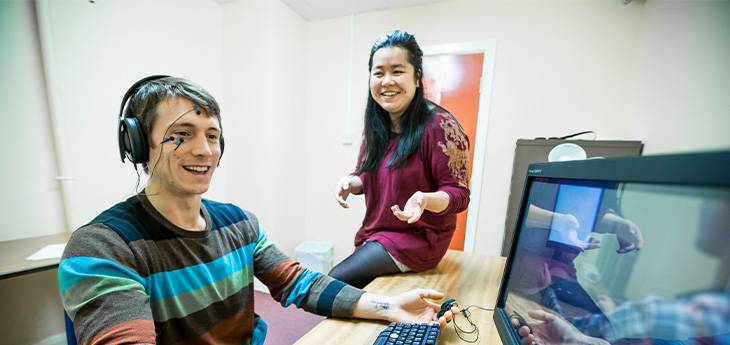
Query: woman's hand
{"x": 435, "y": 202}
{"x": 413, "y": 209}
{"x": 348, "y": 184}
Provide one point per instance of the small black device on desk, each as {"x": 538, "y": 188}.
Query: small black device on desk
{"x": 409, "y": 334}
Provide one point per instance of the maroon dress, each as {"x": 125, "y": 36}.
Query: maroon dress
{"x": 441, "y": 165}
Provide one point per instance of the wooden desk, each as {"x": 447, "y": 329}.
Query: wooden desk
{"x": 29, "y": 292}
{"x": 471, "y": 279}
{"x": 13, "y": 254}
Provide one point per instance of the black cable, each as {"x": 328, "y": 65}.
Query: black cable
{"x": 467, "y": 314}
{"x": 577, "y": 134}
{"x": 138, "y": 179}
{"x": 152, "y": 173}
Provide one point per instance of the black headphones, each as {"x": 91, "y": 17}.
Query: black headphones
{"x": 132, "y": 139}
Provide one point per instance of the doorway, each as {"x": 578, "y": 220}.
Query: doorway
{"x": 459, "y": 78}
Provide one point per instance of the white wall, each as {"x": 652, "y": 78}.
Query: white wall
{"x": 264, "y": 117}
{"x": 96, "y": 51}
{"x": 677, "y": 96}
{"x": 561, "y": 67}
{"x": 31, "y": 198}
{"x": 653, "y": 71}
{"x": 102, "y": 48}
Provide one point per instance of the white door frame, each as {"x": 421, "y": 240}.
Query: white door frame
{"x": 489, "y": 48}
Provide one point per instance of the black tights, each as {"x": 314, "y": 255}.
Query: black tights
{"x": 371, "y": 260}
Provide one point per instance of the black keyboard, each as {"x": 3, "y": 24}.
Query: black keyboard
{"x": 409, "y": 334}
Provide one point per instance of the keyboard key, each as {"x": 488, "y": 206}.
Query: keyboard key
{"x": 409, "y": 334}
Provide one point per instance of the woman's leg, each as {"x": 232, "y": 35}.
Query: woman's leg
{"x": 365, "y": 264}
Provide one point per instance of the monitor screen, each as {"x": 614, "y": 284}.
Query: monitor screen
{"x": 622, "y": 251}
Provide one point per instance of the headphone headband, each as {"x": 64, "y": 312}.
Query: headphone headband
{"x": 134, "y": 88}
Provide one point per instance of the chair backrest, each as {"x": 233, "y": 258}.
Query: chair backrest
{"x": 70, "y": 334}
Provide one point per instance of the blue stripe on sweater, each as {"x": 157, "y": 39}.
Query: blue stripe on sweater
{"x": 301, "y": 287}
{"x": 168, "y": 284}
{"x": 159, "y": 285}
{"x": 327, "y": 298}
{"x": 76, "y": 269}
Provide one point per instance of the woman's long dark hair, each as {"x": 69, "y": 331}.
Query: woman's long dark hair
{"x": 377, "y": 119}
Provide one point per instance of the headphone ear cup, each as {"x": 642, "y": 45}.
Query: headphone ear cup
{"x": 133, "y": 141}
{"x": 223, "y": 145}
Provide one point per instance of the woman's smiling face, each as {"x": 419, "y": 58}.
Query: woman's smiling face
{"x": 393, "y": 80}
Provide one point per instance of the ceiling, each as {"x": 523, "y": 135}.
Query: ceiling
{"x": 313, "y": 10}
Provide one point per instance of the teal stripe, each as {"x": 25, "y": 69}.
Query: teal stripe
{"x": 76, "y": 269}
{"x": 81, "y": 293}
{"x": 190, "y": 302}
{"x": 163, "y": 284}
{"x": 263, "y": 241}
{"x": 167, "y": 284}
{"x": 301, "y": 288}
{"x": 259, "y": 333}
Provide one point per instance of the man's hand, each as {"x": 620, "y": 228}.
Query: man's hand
{"x": 629, "y": 237}
{"x": 347, "y": 185}
{"x": 410, "y": 307}
{"x": 627, "y": 233}
{"x": 550, "y": 329}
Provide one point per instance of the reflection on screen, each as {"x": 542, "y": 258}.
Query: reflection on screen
{"x": 652, "y": 264}
{"x": 581, "y": 203}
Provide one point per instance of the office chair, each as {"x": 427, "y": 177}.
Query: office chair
{"x": 70, "y": 334}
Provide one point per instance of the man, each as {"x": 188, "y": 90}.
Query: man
{"x": 169, "y": 267}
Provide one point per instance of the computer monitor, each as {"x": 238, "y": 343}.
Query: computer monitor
{"x": 630, "y": 250}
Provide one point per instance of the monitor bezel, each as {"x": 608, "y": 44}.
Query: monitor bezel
{"x": 710, "y": 169}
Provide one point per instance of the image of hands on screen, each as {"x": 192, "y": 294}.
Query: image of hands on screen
{"x": 564, "y": 227}
{"x": 627, "y": 232}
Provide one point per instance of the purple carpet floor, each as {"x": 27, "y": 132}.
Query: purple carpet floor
{"x": 285, "y": 325}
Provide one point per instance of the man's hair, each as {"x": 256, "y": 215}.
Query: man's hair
{"x": 143, "y": 104}
{"x": 377, "y": 120}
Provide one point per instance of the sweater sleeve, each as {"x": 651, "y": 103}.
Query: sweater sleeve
{"x": 446, "y": 153}
{"x": 290, "y": 283}
{"x": 103, "y": 294}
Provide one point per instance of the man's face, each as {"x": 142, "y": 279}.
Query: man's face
{"x": 186, "y": 168}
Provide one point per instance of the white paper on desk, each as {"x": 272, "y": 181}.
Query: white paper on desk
{"x": 51, "y": 251}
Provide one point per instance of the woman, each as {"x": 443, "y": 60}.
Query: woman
{"x": 413, "y": 153}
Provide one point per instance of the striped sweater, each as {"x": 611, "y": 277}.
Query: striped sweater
{"x": 131, "y": 276}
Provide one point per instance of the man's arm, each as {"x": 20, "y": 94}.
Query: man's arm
{"x": 410, "y": 307}
{"x": 103, "y": 296}
{"x": 289, "y": 283}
